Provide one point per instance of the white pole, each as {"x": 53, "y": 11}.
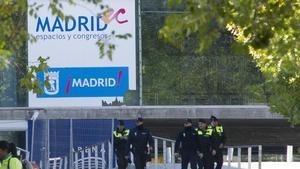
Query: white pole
{"x": 169, "y": 156}
{"x": 33, "y": 118}
{"x": 32, "y": 140}
{"x": 259, "y": 156}
{"x": 76, "y": 160}
{"x": 140, "y": 54}
{"x": 96, "y": 156}
{"x": 47, "y": 150}
{"x": 164, "y": 152}
{"x": 173, "y": 152}
{"x": 61, "y": 163}
{"x": 239, "y": 157}
{"x": 110, "y": 160}
{"x": 112, "y": 144}
{"x": 289, "y": 154}
{"x": 27, "y": 156}
{"x": 229, "y": 155}
{"x": 71, "y": 145}
{"x": 103, "y": 155}
{"x": 89, "y": 158}
{"x": 249, "y": 157}
{"x": 155, "y": 153}
{"x": 65, "y": 162}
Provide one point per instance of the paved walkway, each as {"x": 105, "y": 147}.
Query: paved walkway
{"x": 268, "y": 165}
{"x": 265, "y": 165}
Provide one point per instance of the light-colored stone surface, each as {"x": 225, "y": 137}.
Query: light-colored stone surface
{"x": 265, "y": 165}
{"x": 153, "y": 112}
{"x": 268, "y": 165}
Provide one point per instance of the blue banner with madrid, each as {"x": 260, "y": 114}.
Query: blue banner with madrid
{"x": 84, "y": 82}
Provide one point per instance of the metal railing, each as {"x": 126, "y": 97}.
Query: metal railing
{"x": 58, "y": 163}
{"x": 25, "y": 154}
{"x": 230, "y": 153}
{"x": 92, "y": 157}
{"x": 168, "y": 150}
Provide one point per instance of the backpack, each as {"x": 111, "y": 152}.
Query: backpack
{"x": 25, "y": 164}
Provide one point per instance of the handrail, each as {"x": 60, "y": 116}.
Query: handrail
{"x": 243, "y": 146}
{"x": 27, "y": 153}
{"x": 21, "y": 149}
{"x": 166, "y": 139}
{"x": 57, "y": 162}
{"x": 230, "y": 152}
{"x": 169, "y": 152}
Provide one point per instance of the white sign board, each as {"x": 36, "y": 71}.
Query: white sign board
{"x": 77, "y": 76}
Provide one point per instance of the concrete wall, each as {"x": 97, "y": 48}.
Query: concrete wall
{"x": 152, "y": 112}
{"x": 239, "y": 132}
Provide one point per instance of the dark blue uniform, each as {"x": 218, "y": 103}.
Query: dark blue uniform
{"x": 218, "y": 138}
{"x": 138, "y": 140}
{"x": 205, "y": 143}
{"x": 187, "y": 145}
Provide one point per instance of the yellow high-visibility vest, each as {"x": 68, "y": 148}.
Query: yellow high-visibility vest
{"x": 118, "y": 135}
{"x": 219, "y": 129}
{"x": 200, "y": 133}
{"x": 206, "y": 133}
{"x": 209, "y": 131}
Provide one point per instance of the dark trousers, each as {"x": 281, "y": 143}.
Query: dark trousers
{"x": 201, "y": 163}
{"x": 122, "y": 161}
{"x": 189, "y": 157}
{"x": 218, "y": 158}
{"x": 206, "y": 162}
{"x": 140, "y": 160}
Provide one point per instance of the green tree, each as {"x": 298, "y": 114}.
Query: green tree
{"x": 173, "y": 76}
{"x": 269, "y": 30}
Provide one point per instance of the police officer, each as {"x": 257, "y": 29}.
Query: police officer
{"x": 218, "y": 141}
{"x": 8, "y": 156}
{"x": 120, "y": 143}
{"x": 187, "y": 145}
{"x": 140, "y": 142}
{"x": 204, "y": 135}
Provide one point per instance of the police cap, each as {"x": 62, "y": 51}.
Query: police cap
{"x": 121, "y": 122}
{"x": 213, "y": 118}
{"x": 188, "y": 121}
{"x": 202, "y": 121}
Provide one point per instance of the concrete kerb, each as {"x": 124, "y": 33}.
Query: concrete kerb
{"x": 148, "y": 112}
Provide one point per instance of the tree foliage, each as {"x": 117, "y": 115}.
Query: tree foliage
{"x": 269, "y": 30}
{"x": 173, "y": 76}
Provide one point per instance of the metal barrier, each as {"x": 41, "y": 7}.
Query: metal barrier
{"x": 230, "y": 153}
{"x": 58, "y": 163}
{"x": 92, "y": 157}
{"x": 168, "y": 151}
{"x": 25, "y": 154}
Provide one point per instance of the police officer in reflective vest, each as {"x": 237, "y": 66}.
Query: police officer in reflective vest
{"x": 120, "y": 143}
{"x": 187, "y": 146}
{"x": 218, "y": 141}
{"x": 140, "y": 143}
{"x": 205, "y": 160}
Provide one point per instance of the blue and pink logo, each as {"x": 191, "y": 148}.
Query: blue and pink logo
{"x": 85, "y": 82}
{"x": 80, "y": 23}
